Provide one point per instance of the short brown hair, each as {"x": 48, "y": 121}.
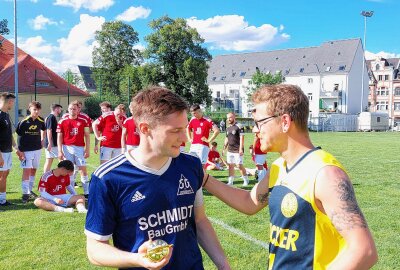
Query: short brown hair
{"x": 194, "y": 107}
{"x": 284, "y": 99}
{"x": 105, "y": 104}
{"x": 6, "y": 96}
{"x": 121, "y": 107}
{"x": 35, "y": 104}
{"x": 154, "y": 103}
{"x": 55, "y": 106}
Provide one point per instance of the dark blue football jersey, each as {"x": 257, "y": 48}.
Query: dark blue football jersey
{"x": 132, "y": 203}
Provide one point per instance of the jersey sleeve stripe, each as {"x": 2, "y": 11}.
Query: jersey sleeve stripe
{"x": 96, "y": 236}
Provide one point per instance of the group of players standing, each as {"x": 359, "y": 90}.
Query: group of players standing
{"x": 69, "y": 139}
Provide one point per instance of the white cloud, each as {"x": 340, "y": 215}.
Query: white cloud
{"x": 232, "y": 32}
{"x": 134, "y": 13}
{"x": 75, "y": 49}
{"x": 139, "y": 47}
{"x": 34, "y": 1}
{"x": 40, "y": 22}
{"x": 92, "y": 5}
{"x": 371, "y": 56}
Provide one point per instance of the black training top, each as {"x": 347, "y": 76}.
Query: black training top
{"x": 51, "y": 123}
{"x": 28, "y": 131}
{"x": 5, "y": 132}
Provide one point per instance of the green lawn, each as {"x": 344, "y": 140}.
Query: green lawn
{"x": 34, "y": 239}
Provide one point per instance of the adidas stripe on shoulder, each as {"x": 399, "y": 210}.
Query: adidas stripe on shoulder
{"x": 109, "y": 165}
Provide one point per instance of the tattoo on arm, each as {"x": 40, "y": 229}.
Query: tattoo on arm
{"x": 262, "y": 198}
{"x": 348, "y": 214}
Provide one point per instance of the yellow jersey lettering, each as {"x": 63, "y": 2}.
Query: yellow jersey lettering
{"x": 283, "y": 238}
{"x": 271, "y": 260}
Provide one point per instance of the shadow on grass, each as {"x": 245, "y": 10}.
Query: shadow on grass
{"x": 18, "y": 205}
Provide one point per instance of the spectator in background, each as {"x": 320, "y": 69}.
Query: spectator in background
{"x": 130, "y": 138}
{"x": 222, "y": 125}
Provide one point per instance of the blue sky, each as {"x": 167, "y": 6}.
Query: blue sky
{"x": 60, "y": 33}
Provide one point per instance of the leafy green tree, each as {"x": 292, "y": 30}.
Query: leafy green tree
{"x": 259, "y": 79}
{"x": 177, "y": 48}
{"x": 73, "y": 78}
{"x": 3, "y": 29}
{"x": 114, "y": 51}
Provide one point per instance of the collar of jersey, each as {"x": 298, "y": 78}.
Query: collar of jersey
{"x": 301, "y": 158}
{"x": 130, "y": 156}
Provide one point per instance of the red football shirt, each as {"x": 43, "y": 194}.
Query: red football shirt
{"x": 132, "y": 132}
{"x": 108, "y": 126}
{"x": 257, "y": 149}
{"x": 73, "y": 130}
{"x": 200, "y": 128}
{"x": 82, "y": 115}
{"x": 54, "y": 185}
{"x": 213, "y": 155}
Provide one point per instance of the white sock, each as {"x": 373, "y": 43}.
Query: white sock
{"x": 230, "y": 180}
{"x": 2, "y": 197}
{"x": 63, "y": 209}
{"x": 85, "y": 184}
{"x": 25, "y": 187}
{"x": 261, "y": 174}
{"x": 81, "y": 208}
{"x": 245, "y": 180}
{"x": 72, "y": 180}
{"x": 31, "y": 182}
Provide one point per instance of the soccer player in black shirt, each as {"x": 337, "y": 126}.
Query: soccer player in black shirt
{"x": 30, "y": 142}
{"x": 6, "y": 143}
{"x": 51, "y": 149}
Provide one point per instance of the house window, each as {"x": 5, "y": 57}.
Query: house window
{"x": 328, "y": 68}
{"x": 242, "y": 73}
{"x": 218, "y": 94}
{"x": 386, "y": 77}
{"x": 397, "y": 106}
{"x": 233, "y": 74}
{"x": 42, "y": 84}
{"x": 301, "y": 70}
{"x": 380, "y": 78}
{"x": 223, "y": 78}
{"x": 382, "y": 106}
{"x": 377, "y": 67}
{"x": 397, "y": 91}
{"x": 382, "y": 92}
{"x": 343, "y": 67}
{"x": 310, "y": 80}
{"x": 309, "y": 95}
{"x": 214, "y": 78}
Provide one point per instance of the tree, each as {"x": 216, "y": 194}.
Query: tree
{"x": 3, "y": 29}
{"x": 259, "y": 79}
{"x": 73, "y": 78}
{"x": 114, "y": 51}
{"x": 177, "y": 48}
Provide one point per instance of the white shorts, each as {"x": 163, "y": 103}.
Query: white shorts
{"x": 234, "y": 158}
{"x": 75, "y": 154}
{"x": 107, "y": 153}
{"x": 260, "y": 159}
{"x": 201, "y": 151}
{"x": 182, "y": 149}
{"x": 7, "y": 157}
{"x": 130, "y": 147}
{"x": 53, "y": 153}
{"x": 32, "y": 159}
{"x": 64, "y": 197}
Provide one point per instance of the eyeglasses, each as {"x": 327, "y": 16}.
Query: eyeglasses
{"x": 264, "y": 121}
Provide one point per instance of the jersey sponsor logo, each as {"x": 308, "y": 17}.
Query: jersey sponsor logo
{"x": 74, "y": 131}
{"x": 115, "y": 128}
{"x": 175, "y": 220}
{"x": 57, "y": 188}
{"x": 32, "y": 127}
{"x": 137, "y": 196}
{"x": 283, "y": 238}
{"x": 184, "y": 186}
{"x": 198, "y": 131}
{"x": 289, "y": 205}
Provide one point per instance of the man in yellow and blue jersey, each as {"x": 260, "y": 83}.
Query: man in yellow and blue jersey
{"x": 316, "y": 222}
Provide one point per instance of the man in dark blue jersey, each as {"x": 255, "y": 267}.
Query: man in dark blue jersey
{"x": 152, "y": 192}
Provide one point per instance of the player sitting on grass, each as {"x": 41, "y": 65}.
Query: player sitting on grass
{"x": 52, "y": 188}
{"x": 215, "y": 162}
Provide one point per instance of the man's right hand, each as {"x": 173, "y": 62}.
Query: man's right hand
{"x": 58, "y": 201}
{"x": 147, "y": 263}
{"x": 96, "y": 149}
{"x": 61, "y": 155}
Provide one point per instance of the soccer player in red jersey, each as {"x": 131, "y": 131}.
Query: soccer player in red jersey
{"x": 130, "y": 138}
{"x": 52, "y": 187}
{"x": 215, "y": 162}
{"x": 108, "y": 130}
{"x": 73, "y": 141}
{"x": 198, "y": 132}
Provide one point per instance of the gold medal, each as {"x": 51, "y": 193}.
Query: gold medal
{"x": 157, "y": 250}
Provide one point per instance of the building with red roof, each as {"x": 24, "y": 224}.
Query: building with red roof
{"x": 50, "y": 87}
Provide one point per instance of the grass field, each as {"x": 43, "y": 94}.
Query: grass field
{"x": 35, "y": 239}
